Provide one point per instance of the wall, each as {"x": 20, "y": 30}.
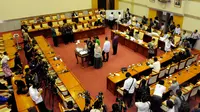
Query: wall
{"x": 14, "y": 9}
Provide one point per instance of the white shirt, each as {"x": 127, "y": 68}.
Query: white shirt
{"x": 106, "y": 46}
{"x": 133, "y": 18}
{"x": 162, "y": 27}
{"x": 168, "y": 45}
{"x": 164, "y": 37}
{"x": 171, "y": 110}
{"x": 119, "y": 18}
{"x": 137, "y": 25}
{"x": 127, "y": 84}
{"x": 159, "y": 90}
{"x": 143, "y": 107}
{"x": 4, "y": 59}
{"x": 111, "y": 17}
{"x": 129, "y": 22}
{"x": 34, "y": 95}
{"x": 177, "y": 31}
{"x": 95, "y": 110}
{"x": 156, "y": 66}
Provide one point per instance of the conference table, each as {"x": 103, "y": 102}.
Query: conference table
{"x": 78, "y": 34}
{"x": 23, "y": 101}
{"x": 147, "y": 38}
{"x": 134, "y": 45}
{"x": 68, "y": 79}
{"x": 8, "y": 45}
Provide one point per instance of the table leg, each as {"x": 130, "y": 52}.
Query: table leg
{"x": 82, "y": 62}
{"x": 76, "y": 58}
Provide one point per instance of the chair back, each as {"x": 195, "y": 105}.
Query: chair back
{"x": 62, "y": 16}
{"x": 182, "y": 64}
{"x": 80, "y": 14}
{"x": 93, "y": 17}
{"x": 177, "y": 39}
{"x": 162, "y": 73}
{"x": 60, "y": 23}
{"x": 37, "y": 26}
{"x": 172, "y": 69}
{"x": 30, "y": 27}
{"x": 69, "y": 20}
{"x": 156, "y": 40}
{"x": 133, "y": 23}
{"x": 31, "y": 21}
{"x": 152, "y": 79}
{"x": 79, "y": 26}
{"x": 90, "y": 13}
{"x": 87, "y": 18}
{"x": 80, "y": 19}
{"x": 189, "y": 61}
{"x": 54, "y": 17}
{"x": 194, "y": 91}
{"x": 55, "y": 24}
{"x": 45, "y": 25}
{"x": 186, "y": 96}
{"x": 47, "y": 18}
{"x": 195, "y": 57}
{"x": 141, "y": 35}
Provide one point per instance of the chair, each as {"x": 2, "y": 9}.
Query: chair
{"x": 172, "y": 69}
{"x": 177, "y": 39}
{"x": 45, "y": 25}
{"x": 47, "y": 18}
{"x": 81, "y": 19}
{"x": 159, "y": 32}
{"x": 37, "y": 26}
{"x": 194, "y": 91}
{"x": 133, "y": 23}
{"x": 31, "y": 21}
{"x": 93, "y": 23}
{"x": 25, "y": 21}
{"x": 152, "y": 79}
{"x": 135, "y": 30}
{"x": 141, "y": 35}
{"x": 186, "y": 95}
{"x": 162, "y": 73}
{"x": 57, "y": 32}
{"x": 156, "y": 40}
{"x": 87, "y": 18}
{"x": 60, "y": 23}
{"x": 62, "y": 16}
{"x": 182, "y": 64}
{"x": 90, "y": 13}
{"x": 85, "y": 25}
{"x": 195, "y": 57}
{"x": 69, "y": 21}
{"x": 79, "y": 26}
{"x": 189, "y": 61}
{"x": 98, "y": 16}
{"x": 55, "y": 24}
{"x": 30, "y": 27}
{"x": 145, "y": 27}
{"x": 80, "y": 14}
{"x": 54, "y": 17}
{"x": 94, "y": 18}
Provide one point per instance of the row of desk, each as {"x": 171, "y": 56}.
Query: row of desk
{"x": 68, "y": 79}
{"x": 7, "y": 44}
{"x": 79, "y": 34}
{"x": 134, "y": 45}
{"x": 137, "y": 70}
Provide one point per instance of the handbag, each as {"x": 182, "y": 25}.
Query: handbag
{"x": 125, "y": 92}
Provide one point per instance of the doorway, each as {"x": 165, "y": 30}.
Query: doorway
{"x": 164, "y": 17}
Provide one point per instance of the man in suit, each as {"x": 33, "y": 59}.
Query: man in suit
{"x": 115, "y": 44}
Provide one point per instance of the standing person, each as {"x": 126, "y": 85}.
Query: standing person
{"x": 144, "y": 20}
{"x": 111, "y": 20}
{"x": 178, "y": 99}
{"x": 6, "y": 68}
{"x": 119, "y": 17}
{"x": 156, "y": 65}
{"x": 36, "y": 96}
{"x": 183, "y": 37}
{"x": 168, "y": 44}
{"x": 172, "y": 27}
{"x": 28, "y": 50}
{"x": 194, "y": 36}
{"x": 64, "y": 34}
{"x": 53, "y": 33}
{"x": 97, "y": 40}
{"x": 151, "y": 24}
{"x": 115, "y": 44}
{"x": 24, "y": 26}
{"x": 156, "y": 101}
{"x": 174, "y": 86}
{"x": 106, "y": 49}
{"x": 25, "y": 35}
{"x": 170, "y": 106}
{"x": 129, "y": 88}
{"x": 151, "y": 48}
{"x": 128, "y": 14}
{"x": 18, "y": 64}
{"x": 97, "y": 56}
{"x": 177, "y": 30}
{"x": 143, "y": 91}
{"x": 137, "y": 24}
{"x": 143, "y": 105}
{"x": 90, "y": 51}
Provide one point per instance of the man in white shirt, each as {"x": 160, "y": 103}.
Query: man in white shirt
{"x": 36, "y": 96}
{"x": 137, "y": 24}
{"x": 168, "y": 44}
{"x": 111, "y": 20}
{"x": 119, "y": 17}
{"x": 177, "y": 30}
{"x": 155, "y": 65}
{"x": 194, "y": 37}
{"x": 162, "y": 28}
{"x": 157, "y": 96}
{"x": 165, "y": 36}
{"x": 106, "y": 49}
{"x": 129, "y": 86}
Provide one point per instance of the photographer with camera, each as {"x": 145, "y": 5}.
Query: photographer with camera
{"x": 99, "y": 104}
{"x": 121, "y": 106}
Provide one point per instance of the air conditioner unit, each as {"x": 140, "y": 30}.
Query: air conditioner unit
{"x": 164, "y": 1}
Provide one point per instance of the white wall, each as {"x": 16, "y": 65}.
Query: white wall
{"x": 14, "y": 9}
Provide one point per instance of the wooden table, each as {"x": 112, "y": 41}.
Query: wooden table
{"x": 135, "y": 46}
{"x": 114, "y": 81}
{"x": 23, "y": 101}
{"x": 85, "y": 33}
{"x": 85, "y": 56}
{"x": 68, "y": 79}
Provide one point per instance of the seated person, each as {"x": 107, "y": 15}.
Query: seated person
{"x": 187, "y": 52}
{"x": 156, "y": 65}
{"x": 170, "y": 106}
{"x": 142, "y": 27}
{"x": 174, "y": 86}
{"x": 149, "y": 29}
{"x": 98, "y": 22}
{"x": 176, "y": 58}
{"x": 182, "y": 55}
{"x": 18, "y": 65}
{"x": 131, "y": 32}
{"x": 70, "y": 107}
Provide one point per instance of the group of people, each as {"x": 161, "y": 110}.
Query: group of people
{"x": 97, "y": 55}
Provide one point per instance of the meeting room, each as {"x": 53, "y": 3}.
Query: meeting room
{"x": 100, "y": 56}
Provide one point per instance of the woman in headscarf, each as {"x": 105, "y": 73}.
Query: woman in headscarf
{"x": 97, "y": 56}
{"x": 6, "y": 68}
